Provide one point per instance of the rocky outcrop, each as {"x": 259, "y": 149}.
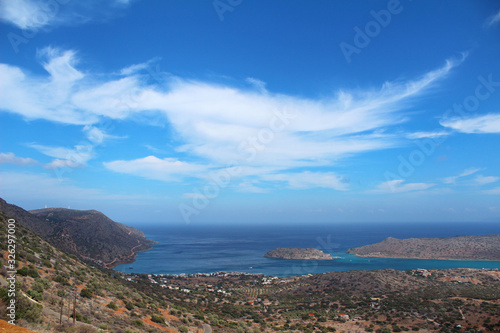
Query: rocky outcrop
{"x": 298, "y": 253}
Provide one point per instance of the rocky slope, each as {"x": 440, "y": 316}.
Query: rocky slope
{"x": 450, "y": 248}
{"x": 89, "y": 234}
{"x": 298, "y": 253}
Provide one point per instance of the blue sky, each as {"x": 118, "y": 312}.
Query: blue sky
{"x": 238, "y": 111}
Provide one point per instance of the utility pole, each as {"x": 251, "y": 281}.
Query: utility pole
{"x": 62, "y": 306}
{"x": 69, "y": 305}
{"x": 74, "y": 310}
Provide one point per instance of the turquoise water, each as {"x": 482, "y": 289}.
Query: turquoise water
{"x": 206, "y": 249}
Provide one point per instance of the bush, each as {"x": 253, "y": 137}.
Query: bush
{"x": 28, "y": 271}
{"x": 35, "y": 295}
{"x": 138, "y": 322}
{"x": 40, "y": 285}
{"x": 112, "y": 306}
{"x": 183, "y": 329}
{"x": 61, "y": 279}
{"x": 157, "y": 319}
{"x": 28, "y": 310}
{"x": 87, "y": 293}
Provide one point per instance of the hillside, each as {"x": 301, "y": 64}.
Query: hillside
{"x": 89, "y": 234}
{"x": 298, "y": 254}
{"x": 47, "y": 276}
{"x": 450, "y": 248}
{"x": 361, "y": 301}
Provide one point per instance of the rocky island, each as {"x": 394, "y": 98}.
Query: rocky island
{"x": 450, "y": 248}
{"x": 298, "y": 253}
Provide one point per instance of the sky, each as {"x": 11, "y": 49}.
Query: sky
{"x": 252, "y": 112}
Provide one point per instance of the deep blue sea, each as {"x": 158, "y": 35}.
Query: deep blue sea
{"x": 206, "y": 249}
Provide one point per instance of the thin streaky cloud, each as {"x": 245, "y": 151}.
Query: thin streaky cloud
{"x": 398, "y": 186}
{"x": 492, "y": 20}
{"x": 485, "y": 124}
{"x": 11, "y": 158}
{"x": 482, "y": 180}
{"x": 423, "y": 135}
{"x": 465, "y": 173}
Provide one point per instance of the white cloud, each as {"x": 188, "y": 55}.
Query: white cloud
{"x": 397, "y": 186}
{"x": 97, "y": 136}
{"x": 251, "y": 187}
{"x": 13, "y": 159}
{"x": 430, "y": 135}
{"x": 493, "y": 191}
{"x": 37, "y": 14}
{"x": 151, "y": 167}
{"x": 306, "y": 179}
{"x": 489, "y": 123}
{"x": 492, "y": 20}
{"x": 481, "y": 180}
{"x": 25, "y": 14}
{"x": 453, "y": 179}
{"x": 57, "y": 163}
{"x": 223, "y": 124}
{"x": 79, "y": 155}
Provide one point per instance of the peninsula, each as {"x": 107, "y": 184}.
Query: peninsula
{"x": 298, "y": 253}
{"x": 450, "y": 248}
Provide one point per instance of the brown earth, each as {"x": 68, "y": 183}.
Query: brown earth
{"x": 9, "y": 328}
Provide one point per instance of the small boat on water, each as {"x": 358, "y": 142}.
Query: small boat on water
{"x": 131, "y": 267}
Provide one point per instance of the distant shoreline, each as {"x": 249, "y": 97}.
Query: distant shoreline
{"x": 415, "y": 258}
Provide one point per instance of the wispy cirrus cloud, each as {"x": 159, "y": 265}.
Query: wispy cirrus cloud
{"x": 11, "y": 158}
{"x": 430, "y": 135}
{"x": 493, "y": 191}
{"x": 223, "y": 125}
{"x": 483, "y": 180}
{"x": 397, "y": 186}
{"x": 493, "y": 19}
{"x": 484, "y": 124}
{"x": 38, "y": 14}
{"x": 66, "y": 157}
{"x": 306, "y": 179}
{"x": 453, "y": 179}
{"x": 151, "y": 167}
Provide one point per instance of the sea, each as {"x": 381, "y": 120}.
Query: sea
{"x": 231, "y": 248}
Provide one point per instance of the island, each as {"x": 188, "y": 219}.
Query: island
{"x": 298, "y": 253}
{"x": 485, "y": 247}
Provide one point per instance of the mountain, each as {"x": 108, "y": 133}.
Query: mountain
{"x": 449, "y": 248}
{"x": 45, "y": 276}
{"x": 89, "y": 234}
{"x": 92, "y": 235}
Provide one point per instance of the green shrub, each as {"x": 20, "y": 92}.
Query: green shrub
{"x": 138, "y": 322}
{"x": 35, "y": 295}
{"x": 157, "y": 319}
{"x": 61, "y": 279}
{"x": 183, "y": 329}
{"x": 112, "y": 306}
{"x": 87, "y": 293}
{"x": 28, "y": 271}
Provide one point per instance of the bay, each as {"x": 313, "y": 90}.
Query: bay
{"x": 209, "y": 248}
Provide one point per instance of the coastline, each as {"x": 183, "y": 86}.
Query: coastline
{"x": 132, "y": 258}
{"x": 419, "y": 258}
